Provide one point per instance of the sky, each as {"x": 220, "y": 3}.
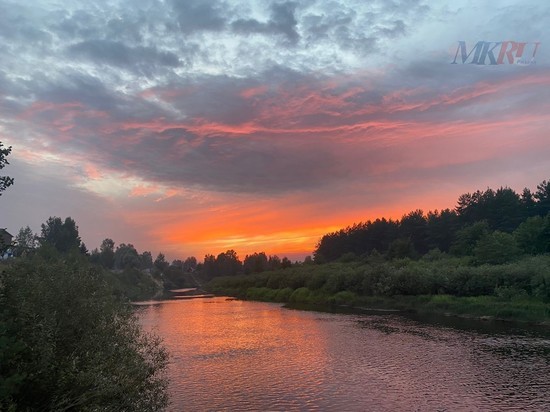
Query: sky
{"x": 193, "y": 126}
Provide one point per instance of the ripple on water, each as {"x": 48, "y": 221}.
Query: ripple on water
{"x": 234, "y": 355}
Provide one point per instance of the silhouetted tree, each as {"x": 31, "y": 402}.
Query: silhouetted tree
{"x": 228, "y": 263}
{"x": 146, "y": 259}
{"x": 285, "y": 263}
{"x": 190, "y": 264}
{"x": 63, "y": 235}
{"x": 273, "y": 263}
{"x": 441, "y": 229}
{"x": 25, "y": 241}
{"x": 107, "y": 253}
{"x": 255, "y": 263}
{"x": 413, "y": 226}
{"x": 209, "y": 268}
{"x": 160, "y": 263}
{"x": 126, "y": 257}
{"x": 542, "y": 195}
{"x": 308, "y": 260}
{"x": 5, "y": 181}
{"x": 528, "y": 203}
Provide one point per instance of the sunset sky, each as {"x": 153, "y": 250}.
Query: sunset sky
{"x": 193, "y": 127}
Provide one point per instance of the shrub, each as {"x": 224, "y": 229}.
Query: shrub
{"x": 300, "y": 295}
{"x": 283, "y": 295}
{"x": 344, "y": 297}
{"x": 75, "y": 345}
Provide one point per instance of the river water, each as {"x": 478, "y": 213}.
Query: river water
{"x": 251, "y": 356}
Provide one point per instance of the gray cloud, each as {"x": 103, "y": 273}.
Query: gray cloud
{"x": 142, "y": 59}
{"x": 364, "y": 30}
{"x": 124, "y": 96}
{"x": 258, "y": 165}
{"x": 200, "y": 15}
{"x": 282, "y": 22}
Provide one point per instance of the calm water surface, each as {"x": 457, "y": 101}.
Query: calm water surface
{"x": 235, "y": 355}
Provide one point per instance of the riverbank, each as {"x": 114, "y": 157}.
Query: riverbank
{"x": 518, "y": 291}
{"x": 530, "y": 310}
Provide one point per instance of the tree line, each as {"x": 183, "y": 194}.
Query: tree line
{"x": 480, "y": 223}
{"x": 63, "y": 236}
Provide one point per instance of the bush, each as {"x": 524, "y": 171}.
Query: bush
{"x": 263, "y": 293}
{"x": 316, "y": 280}
{"x": 301, "y": 295}
{"x": 343, "y": 298}
{"x": 73, "y": 345}
{"x": 283, "y": 295}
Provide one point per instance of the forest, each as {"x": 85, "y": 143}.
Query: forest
{"x": 488, "y": 256}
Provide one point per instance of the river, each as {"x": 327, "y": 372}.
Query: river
{"x": 252, "y": 356}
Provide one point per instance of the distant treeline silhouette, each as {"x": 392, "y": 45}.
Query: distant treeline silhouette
{"x": 500, "y": 212}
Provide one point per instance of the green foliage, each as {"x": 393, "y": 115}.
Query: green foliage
{"x": 228, "y": 263}
{"x": 414, "y": 227}
{"x": 343, "y": 297}
{"x": 175, "y": 278}
{"x": 542, "y": 196}
{"x": 496, "y": 248}
{"x": 126, "y": 257}
{"x": 533, "y": 235}
{"x": 5, "y": 181}
{"x": 67, "y": 343}
{"x": 107, "y": 253}
{"x": 456, "y": 231}
{"x": 302, "y": 295}
{"x": 487, "y": 237}
{"x": 401, "y": 248}
{"x": 263, "y": 293}
{"x": 25, "y": 241}
{"x": 63, "y": 235}
{"x": 467, "y": 237}
{"x": 283, "y": 295}
{"x": 132, "y": 284}
{"x": 160, "y": 263}
{"x": 445, "y": 275}
{"x": 255, "y": 263}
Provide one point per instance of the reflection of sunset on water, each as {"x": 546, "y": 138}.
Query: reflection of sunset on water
{"x": 239, "y": 355}
{"x": 244, "y": 344}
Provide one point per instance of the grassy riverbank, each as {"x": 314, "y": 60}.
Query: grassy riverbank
{"x": 517, "y": 291}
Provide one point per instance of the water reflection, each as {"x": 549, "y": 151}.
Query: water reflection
{"x": 235, "y": 355}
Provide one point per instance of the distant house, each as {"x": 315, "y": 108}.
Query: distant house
{"x": 6, "y": 251}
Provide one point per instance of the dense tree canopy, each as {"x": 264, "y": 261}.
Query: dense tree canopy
{"x": 63, "y": 235}
{"x": 126, "y": 256}
{"x": 457, "y": 231}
